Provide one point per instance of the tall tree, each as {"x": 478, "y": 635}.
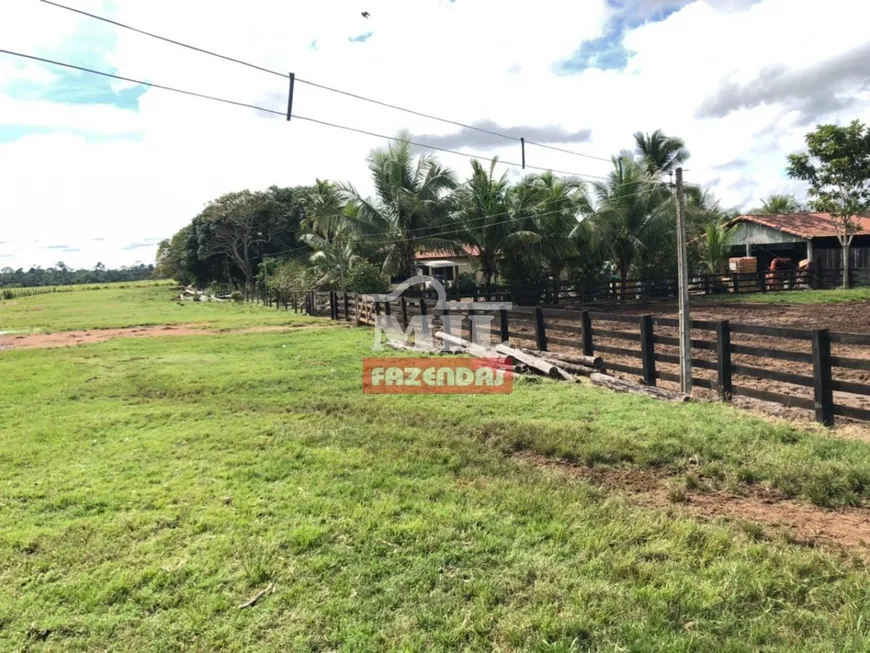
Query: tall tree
{"x": 489, "y": 216}
{"x": 634, "y": 215}
{"x": 327, "y": 231}
{"x": 777, "y": 205}
{"x": 325, "y": 210}
{"x": 560, "y": 203}
{"x": 239, "y": 227}
{"x": 836, "y": 166}
{"x": 658, "y": 153}
{"x": 408, "y": 206}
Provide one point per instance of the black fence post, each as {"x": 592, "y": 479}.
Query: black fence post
{"x": 540, "y": 331}
{"x": 723, "y": 359}
{"x": 333, "y": 306}
{"x": 735, "y": 282}
{"x": 404, "y": 313}
{"x": 823, "y": 391}
{"x": 504, "y": 325}
{"x": 388, "y": 308}
{"x": 446, "y": 324}
{"x": 648, "y": 351}
{"x": 586, "y": 328}
{"x": 424, "y": 311}
{"x": 346, "y": 308}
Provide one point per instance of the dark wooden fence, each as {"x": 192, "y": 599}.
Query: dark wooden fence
{"x": 650, "y": 290}
{"x": 651, "y": 341}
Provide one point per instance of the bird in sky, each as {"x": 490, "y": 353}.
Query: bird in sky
{"x": 365, "y": 14}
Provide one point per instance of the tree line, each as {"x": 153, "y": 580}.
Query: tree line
{"x": 537, "y": 231}
{"x": 63, "y": 275}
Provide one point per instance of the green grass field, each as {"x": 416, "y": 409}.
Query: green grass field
{"x": 833, "y": 296}
{"x": 139, "y": 305}
{"x": 152, "y": 485}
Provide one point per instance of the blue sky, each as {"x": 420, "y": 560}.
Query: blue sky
{"x": 88, "y": 46}
{"x": 127, "y": 166}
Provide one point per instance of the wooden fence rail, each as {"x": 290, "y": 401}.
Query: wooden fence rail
{"x": 584, "y": 330}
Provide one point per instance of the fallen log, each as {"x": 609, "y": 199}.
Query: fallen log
{"x": 581, "y": 370}
{"x": 533, "y": 362}
{"x": 470, "y": 347}
{"x": 575, "y": 359}
{"x": 618, "y": 385}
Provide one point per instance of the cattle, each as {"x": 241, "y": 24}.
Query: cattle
{"x": 780, "y": 274}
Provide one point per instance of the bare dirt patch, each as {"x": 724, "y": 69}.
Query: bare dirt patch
{"x": 843, "y": 528}
{"x": 852, "y": 317}
{"x": 90, "y": 336}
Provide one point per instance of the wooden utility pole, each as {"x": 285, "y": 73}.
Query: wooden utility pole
{"x": 683, "y": 281}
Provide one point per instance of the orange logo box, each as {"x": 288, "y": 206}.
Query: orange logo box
{"x": 440, "y": 376}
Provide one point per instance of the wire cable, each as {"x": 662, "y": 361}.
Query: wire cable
{"x": 143, "y": 83}
{"x": 297, "y": 117}
{"x": 318, "y": 85}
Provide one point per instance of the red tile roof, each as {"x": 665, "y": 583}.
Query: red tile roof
{"x": 803, "y": 225}
{"x": 445, "y": 253}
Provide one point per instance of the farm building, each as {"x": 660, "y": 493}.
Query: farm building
{"x": 799, "y": 236}
{"x": 445, "y": 265}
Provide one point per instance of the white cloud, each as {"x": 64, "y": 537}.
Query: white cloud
{"x": 467, "y": 60}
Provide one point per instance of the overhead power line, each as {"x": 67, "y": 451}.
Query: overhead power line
{"x": 324, "y": 87}
{"x": 325, "y": 123}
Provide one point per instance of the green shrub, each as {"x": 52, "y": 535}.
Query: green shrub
{"x": 236, "y": 296}
{"x": 466, "y": 283}
{"x": 524, "y": 278}
{"x": 366, "y": 278}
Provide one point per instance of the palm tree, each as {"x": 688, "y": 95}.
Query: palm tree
{"x": 324, "y": 210}
{"x": 560, "y": 202}
{"x": 659, "y": 154}
{"x": 408, "y": 206}
{"x": 491, "y": 217}
{"x": 332, "y": 261}
{"x": 634, "y": 215}
{"x": 716, "y": 248}
{"x": 777, "y": 204}
{"x": 327, "y": 230}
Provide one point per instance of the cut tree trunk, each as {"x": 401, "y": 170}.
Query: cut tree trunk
{"x": 576, "y": 359}
{"x": 533, "y": 362}
{"x": 581, "y": 370}
{"x": 618, "y": 385}
{"x": 470, "y": 347}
